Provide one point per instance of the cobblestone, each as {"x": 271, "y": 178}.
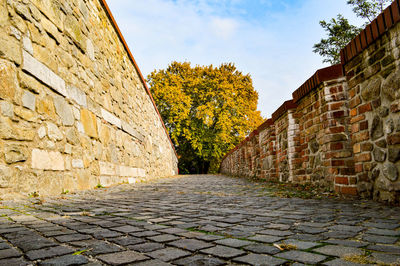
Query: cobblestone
{"x": 194, "y": 220}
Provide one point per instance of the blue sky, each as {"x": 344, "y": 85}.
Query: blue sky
{"x": 269, "y": 39}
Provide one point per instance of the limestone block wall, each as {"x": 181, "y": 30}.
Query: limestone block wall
{"x": 371, "y": 63}
{"x": 74, "y": 109}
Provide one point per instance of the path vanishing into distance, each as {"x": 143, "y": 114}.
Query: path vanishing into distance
{"x": 196, "y": 220}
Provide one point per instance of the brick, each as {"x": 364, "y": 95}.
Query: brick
{"x": 364, "y": 108}
{"x": 393, "y": 139}
{"x": 363, "y": 125}
{"x": 349, "y": 191}
{"x": 364, "y": 157}
{"x": 341, "y": 180}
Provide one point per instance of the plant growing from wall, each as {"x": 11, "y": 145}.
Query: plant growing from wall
{"x": 207, "y": 111}
{"x": 340, "y": 32}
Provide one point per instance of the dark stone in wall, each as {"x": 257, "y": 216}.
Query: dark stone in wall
{"x": 372, "y": 90}
{"x": 379, "y": 155}
{"x": 390, "y": 171}
{"x": 394, "y": 154}
{"x": 376, "y": 128}
{"x": 314, "y": 146}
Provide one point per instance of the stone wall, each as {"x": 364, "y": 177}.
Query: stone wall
{"x": 75, "y": 111}
{"x": 372, "y": 67}
{"x": 343, "y": 131}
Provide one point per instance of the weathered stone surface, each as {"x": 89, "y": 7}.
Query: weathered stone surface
{"x": 391, "y": 86}
{"x": 46, "y": 106}
{"x": 54, "y": 132}
{"x": 301, "y": 256}
{"x": 9, "y": 131}
{"x": 131, "y": 131}
{"x": 257, "y": 259}
{"x": 64, "y": 110}
{"x": 77, "y": 95}
{"x": 110, "y": 118}
{"x": 6, "y": 109}
{"x": 10, "y": 48}
{"x": 339, "y": 251}
{"x": 73, "y": 29}
{"x": 89, "y": 123}
{"x": 371, "y": 90}
{"x": 15, "y": 153}
{"x": 27, "y": 45}
{"x": 376, "y": 128}
{"x": 77, "y": 163}
{"x": 44, "y": 74}
{"x": 379, "y": 155}
{"x": 72, "y": 136}
{"x": 168, "y": 254}
{"x": 52, "y": 10}
{"x": 42, "y": 132}
{"x": 394, "y": 154}
{"x": 47, "y": 160}
{"x": 65, "y": 260}
{"x": 107, "y": 168}
{"x": 25, "y": 114}
{"x": 390, "y": 171}
{"x": 223, "y": 252}
{"x": 8, "y": 80}
{"x": 29, "y": 100}
{"x": 128, "y": 171}
{"x": 90, "y": 49}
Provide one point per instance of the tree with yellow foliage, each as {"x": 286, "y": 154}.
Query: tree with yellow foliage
{"x": 207, "y": 111}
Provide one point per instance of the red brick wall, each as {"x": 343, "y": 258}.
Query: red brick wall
{"x": 342, "y": 128}
{"x": 373, "y": 75}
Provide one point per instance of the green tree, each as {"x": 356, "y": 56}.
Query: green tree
{"x": 207, "y": 111}
{"x": 340, "y": 32}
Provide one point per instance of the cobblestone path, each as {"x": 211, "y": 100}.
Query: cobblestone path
{"x": 196, "y": 220}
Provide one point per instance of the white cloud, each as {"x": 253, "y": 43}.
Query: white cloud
{"x": 224, "y": 28}
{"x": 276, "y": 51}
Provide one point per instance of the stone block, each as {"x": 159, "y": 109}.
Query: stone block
{"x": 72, "y": 136}
{"x": 73, "y": 29}
{"x": 6, "y": 108}
{"x": 47, "y": 160}
{"x": 128, "y": 171}
{"x": 53, "y": 10}
{"x": 89, "y": 122}
{"x": 110, "y": 118}
{"x": 27, "y": 45}
{"x": 29, "y": 100}
{"x": 14, "y": 153}
{"x": 54, "y": 132}
{"x": 77, "y": 95}
{"x": 107, "y": 168}
{"x": 90, "y": 50}
{"x": 5, "y": 175}
{"x": 64, "y": 111}
{"x": 131, "y": 131}
{"x": 77, "y": 163}
{"x": 42, "y": 132}
{"x": 46, "y": 106}
{"x": 43, "y": 73}
{"x": 8, "y": 79}
{"x": 10, "y": 48}
{"x": 9, "y": 131}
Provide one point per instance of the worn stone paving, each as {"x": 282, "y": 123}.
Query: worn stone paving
{"x": 196, "y": 220}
